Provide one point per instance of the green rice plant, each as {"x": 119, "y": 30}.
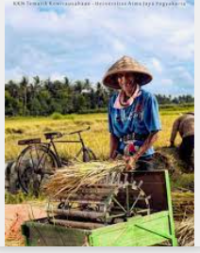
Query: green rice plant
{"x": 56, "y": 116}
{"x": 21, "y": 197}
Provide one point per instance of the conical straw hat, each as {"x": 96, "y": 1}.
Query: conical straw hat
{"x": 126, "y": 64}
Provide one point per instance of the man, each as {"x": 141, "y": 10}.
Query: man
{"x": 185, "y": 126}
{"x": 133, "y": 114}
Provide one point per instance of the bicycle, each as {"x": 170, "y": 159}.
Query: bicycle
{"x": 40, "y": 159}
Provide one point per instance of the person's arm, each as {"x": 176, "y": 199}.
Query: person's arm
{"x": 114, "y": 140}
{"x": 174, "y": 132}
{"x": 113, "y": 146}
{"x": 146, "y": 145}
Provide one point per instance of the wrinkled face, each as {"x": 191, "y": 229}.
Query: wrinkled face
{"x": 127, "y": 82}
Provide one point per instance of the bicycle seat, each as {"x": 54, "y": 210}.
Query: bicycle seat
{"x": 53, "y": 135}
{"x": 29, "y": 141}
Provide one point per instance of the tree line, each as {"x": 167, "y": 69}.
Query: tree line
{"x": 44, "y": 97}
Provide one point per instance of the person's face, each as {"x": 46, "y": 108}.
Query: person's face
{"x": 126, "y": 82}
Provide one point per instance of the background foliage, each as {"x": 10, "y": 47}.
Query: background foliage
{"x": 45, "y": 97}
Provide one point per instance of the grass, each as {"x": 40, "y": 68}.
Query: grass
{"x": 97, "y": 138}
{"x": 22, "y": 128}
{"x": 184, "y": 182}
{"x": 21, "y": 197}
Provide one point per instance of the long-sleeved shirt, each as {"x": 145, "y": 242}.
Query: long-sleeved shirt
{"x": 184, "y": 125}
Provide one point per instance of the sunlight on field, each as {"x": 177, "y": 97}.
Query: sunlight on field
{"x": 97, "y": 138}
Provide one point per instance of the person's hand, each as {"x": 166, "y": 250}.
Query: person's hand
{"x": 130, "y": 162}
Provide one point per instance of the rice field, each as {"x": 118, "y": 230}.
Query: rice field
{"x": 97, "y": 138}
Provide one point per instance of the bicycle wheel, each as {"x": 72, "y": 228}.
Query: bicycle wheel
{"x": 88, "y": 155}
{"x": 34, "y": 166}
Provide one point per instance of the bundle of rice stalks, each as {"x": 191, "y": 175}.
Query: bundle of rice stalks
{"x": 173, "y": 161}
{"x": 183, "y": 204}
{"x": 71, "y": 178}
{"x": 162, "y": 161}
{"x": 185, "y": 232}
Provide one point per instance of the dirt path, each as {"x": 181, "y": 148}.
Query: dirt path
{"x": 15, "y": 215}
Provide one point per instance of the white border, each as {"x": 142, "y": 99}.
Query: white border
{"x": 2, "y": 139}
{"x": 197, "y": 126}
{"x": 197, "y": 133}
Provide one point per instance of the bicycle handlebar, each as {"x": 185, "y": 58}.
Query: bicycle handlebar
{"x": 77, "y": 132}
{"x": 56, "y": 135}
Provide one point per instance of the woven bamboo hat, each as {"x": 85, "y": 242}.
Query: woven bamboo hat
{"x": 126, "y": 64}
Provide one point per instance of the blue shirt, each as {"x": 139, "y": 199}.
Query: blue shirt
{"x": 141, "y": 117}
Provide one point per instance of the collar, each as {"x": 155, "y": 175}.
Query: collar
{"x": 121, "y": 96}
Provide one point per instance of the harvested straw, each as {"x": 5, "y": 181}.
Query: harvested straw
{"x": 70, "y": 179}
{"x": 162, "y": 161}
{"x": 183, "y": 204}
{"x": 185, "y": 232}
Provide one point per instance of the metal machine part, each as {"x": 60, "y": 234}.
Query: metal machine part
{"x": 113, "y": 199}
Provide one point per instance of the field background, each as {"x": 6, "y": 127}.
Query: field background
{"x": 98, "y": 140}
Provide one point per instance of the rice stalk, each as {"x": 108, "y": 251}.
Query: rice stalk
{"x": 183, "y": 204}
{"x": 185, "y": 232}
{"x": 71, "y": 178}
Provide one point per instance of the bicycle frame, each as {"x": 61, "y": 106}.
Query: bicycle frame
{"x": 42, "y": 158}
{"x": 52, "y": 143}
